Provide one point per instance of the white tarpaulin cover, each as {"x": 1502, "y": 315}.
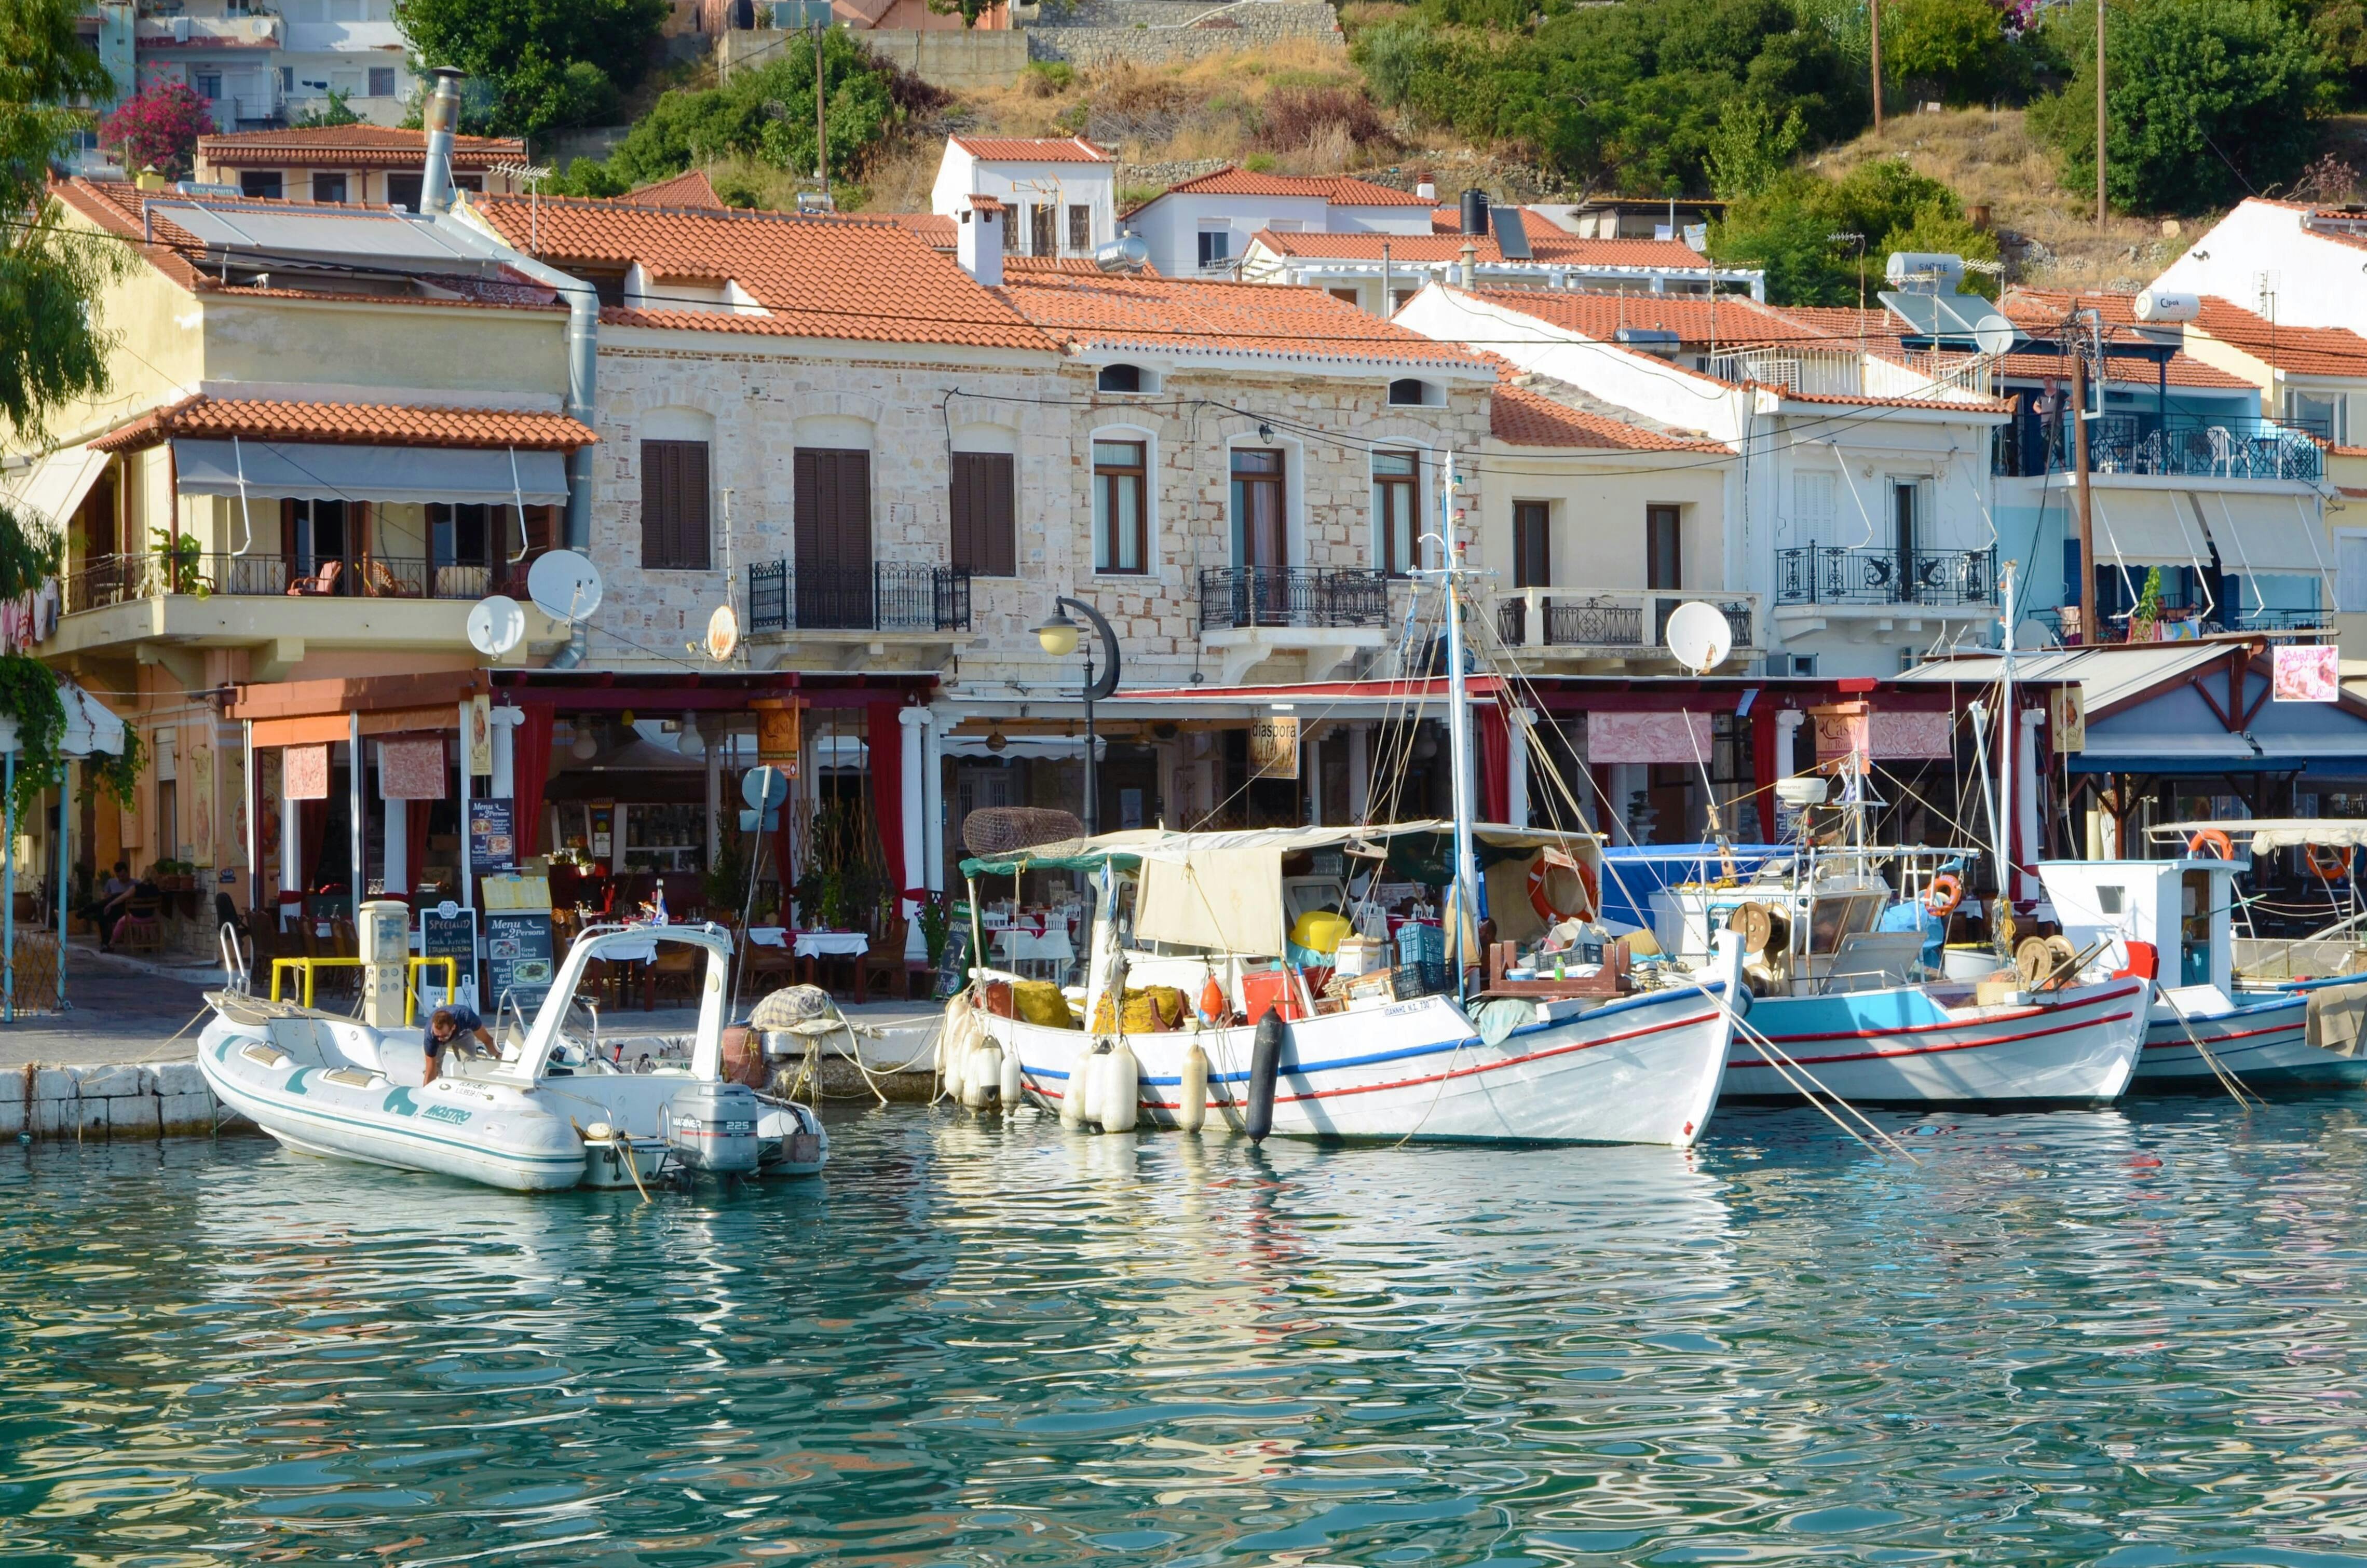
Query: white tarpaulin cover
{"x": 2146, "y": 527}
{"x": 53, "y": 488}
{"x": 458, "y": 476}
{"x": 1227, "y": 899}
{"x": 2268, "y": 834}
{"x": 2264, "y": 533}
{"x": 90, "y": 727}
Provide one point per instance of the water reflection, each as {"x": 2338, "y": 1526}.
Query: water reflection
{"x": 2127, "y": 1337}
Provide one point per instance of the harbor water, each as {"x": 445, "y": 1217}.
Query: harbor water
{"x": 2130, "y": 1338}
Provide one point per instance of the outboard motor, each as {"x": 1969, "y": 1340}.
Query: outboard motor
{"x": 711, "y": 1127}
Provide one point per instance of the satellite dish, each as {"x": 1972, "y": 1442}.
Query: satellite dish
{"x": 1994, "y": 335}
{"x": 764, "y": 788}
{"x": 1699, "y": 635}
{"x": 722, "y": 634}
{"x": 564, "y": 585}
{"x": 496, "y": 626}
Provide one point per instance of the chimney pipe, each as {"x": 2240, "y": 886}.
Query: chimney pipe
{"x": 979, "y": 241}
{"x": 442, "y": 117}
{"x": 1475, "y": 211}
{"x": 1470, "y": 257}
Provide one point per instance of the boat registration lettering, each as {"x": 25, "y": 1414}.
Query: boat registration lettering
{"x": 451, "y": 1113}
{"x": 1399, "y": 1009}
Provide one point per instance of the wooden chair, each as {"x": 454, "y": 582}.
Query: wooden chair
{"x": 886, "y": 965}
{"x": 766, "y": 968}
{"x": 321, "y": 583}
{"x": 141, "y": 928}
{"x": 676, "y": 972}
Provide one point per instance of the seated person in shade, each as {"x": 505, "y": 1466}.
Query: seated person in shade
{"x": 461, "y": 1029}
{"x": 107, "y": 907}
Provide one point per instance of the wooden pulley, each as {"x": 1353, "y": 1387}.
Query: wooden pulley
{"x": 2066, "y": 960}
{"x": 1756, "y": 923}
{"x": 2034, "y": 962}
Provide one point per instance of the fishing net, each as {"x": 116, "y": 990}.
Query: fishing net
{"x": 1006, "y": 829}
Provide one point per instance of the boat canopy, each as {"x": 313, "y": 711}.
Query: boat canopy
{"x": 2272, "y": 833}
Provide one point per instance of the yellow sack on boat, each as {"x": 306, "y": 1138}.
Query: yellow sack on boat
{"x": 1041, "y": 1002}
{"x": 1152, "y": 1010}
{"x": 1319, "y": 931}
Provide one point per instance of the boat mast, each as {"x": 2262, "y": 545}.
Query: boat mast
{"x": 1458, "y": 733}
{"x": 2006, "y": 727}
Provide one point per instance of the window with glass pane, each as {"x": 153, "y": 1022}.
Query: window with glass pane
{"x": 1531, "y": 543}
{"x": 1121, "y": 524}
{"x": 1257, "y": 507}
{"x": 1395, "y": 475}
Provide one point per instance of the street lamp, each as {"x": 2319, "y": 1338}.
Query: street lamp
{"x": 1059, "y": 637}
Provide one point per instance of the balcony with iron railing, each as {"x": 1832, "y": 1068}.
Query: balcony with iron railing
{"x": 2176, "y": 623}
{"x": 886, "y": 596}
{"x": 115, "y": 580}
{"x": 1309, "y": 597}
{"x": 1822, "y": 574}
{"x": 2178, "y": 447}
{"x": 1633, "y": 624}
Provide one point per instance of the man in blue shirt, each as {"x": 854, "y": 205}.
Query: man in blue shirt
{"x": 461, "y": 1029}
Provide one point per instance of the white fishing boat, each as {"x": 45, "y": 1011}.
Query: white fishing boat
{"x": 552, "y": 1108}
{"x": 1400, "y": 1054}
{"x": 2175, "y": 917}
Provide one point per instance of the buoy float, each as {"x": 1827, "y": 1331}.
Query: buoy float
{"x": 2328, "y": 862}
{"x": 982, "y": 1077}
{"x": 1121, "y": 1090}
{"x": 2211, "y": 839}
{"x": 1072, "y": 1093}
{"x": 1014, "y": 1086}
{"x": 1192, "y": 1097}
{"x": 1265, "y": 1067}
{"x": 1947, "y": 891}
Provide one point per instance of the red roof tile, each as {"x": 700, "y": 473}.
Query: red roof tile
{"x": 940, "y": 232}
{"x": 1339, "y": 190}
{"x": 1105, "y": 310}
{"x": 1032, "y": 149}
{"x": 1732, "y": 321}
{"x": 2312, "y": 350}
{"x": 1548, "y": 247}
{"x": 353, "y": 146}
{"x": 369, "y": 425}
{"x": 819, "y": 278}
{"x": 691, "y": 188}
{"x": 1521, "y": 417}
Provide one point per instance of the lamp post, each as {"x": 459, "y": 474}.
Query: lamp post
{"x": 1059, "y": 637}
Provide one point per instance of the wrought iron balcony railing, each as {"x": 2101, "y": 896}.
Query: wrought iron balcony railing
{"x": 1823, "y": 574}
{"x": 113, "y": 579}
{"x": 1237, "y": 596}
{"x": 886, "y": 596}
{"x": 1547, "y": 617}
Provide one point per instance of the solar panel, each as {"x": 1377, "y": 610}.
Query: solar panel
{"x": 1954, "y": 319}
{"x": 1511, "y": 233}
{"x": 324, "y": 236}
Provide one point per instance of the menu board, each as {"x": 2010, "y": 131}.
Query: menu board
{"x": 518, "y": 957}
{"x": 493, "y": 837}
{"x": 448, "y": 931}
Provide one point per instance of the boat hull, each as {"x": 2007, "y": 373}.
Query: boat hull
{"x": 2263, "y": 1042}
{"x": 1643, "y": 1070}
{"x": 1899, "y": 1046}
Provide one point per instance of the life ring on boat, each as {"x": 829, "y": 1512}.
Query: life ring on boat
{"x": 2212, "y": 838}
{"x": 1541, "y": 877}
{"x": 1947, "y": 891}
{"x": 2330, "y": 861}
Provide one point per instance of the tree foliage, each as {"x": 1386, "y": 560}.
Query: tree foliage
{"x": 767, "y": 115}
{"x": 158, "y": 129}
{"x": 333, "y": 110}
{"x": 1790, "y": 229}
{"x": 2208, "y": 101}
{"x": 547, "y": 62}
{"x": 1956, "y": 50}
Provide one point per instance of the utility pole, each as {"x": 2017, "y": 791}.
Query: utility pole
{"x": 1874, "y": 10}
{"x": 821, "y": 121}
{"x": 2088, "y": 630}
{"x": 2100, "y": 118}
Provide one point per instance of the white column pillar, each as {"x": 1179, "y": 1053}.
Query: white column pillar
{"x": 504, "y": 784}
{"x": 911, "y": 722}
{"x": 290, "y": 851}
{"x": 932, "y": 801}
{"x": 1516, "y": 765}
{"x": 397, "y": 871}
{"x": 1360, "y": 771}
{"x": 2025, "y": 797}
{"x": 1787, "y": 741}
{"x": 467, "y": 860}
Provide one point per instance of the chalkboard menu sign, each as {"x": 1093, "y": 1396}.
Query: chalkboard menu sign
{"x": 953, "y": 965}
{"x": 493, "y": 836}
{"x": 448, "y": 931}
{"x": 518, "y": 957}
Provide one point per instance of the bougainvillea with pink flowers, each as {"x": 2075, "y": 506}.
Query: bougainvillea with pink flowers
{"x": 160, "y": 126}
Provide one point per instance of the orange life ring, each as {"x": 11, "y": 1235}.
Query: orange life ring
{"x": 2330, "y": 861}
{"x": 2211, "y": 838}
{"x": 1542, "y": 903}
{"x": 1947, "y": 891}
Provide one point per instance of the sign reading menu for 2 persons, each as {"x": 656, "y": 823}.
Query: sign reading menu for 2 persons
{"x": 519, "y": 963}
{"x": 493, "y": 834}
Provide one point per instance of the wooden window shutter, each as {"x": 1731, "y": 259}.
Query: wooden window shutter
{"x": 692, "y": 531}
{"x": 806, "y": 518}
{"x": 966, "y": 498}
{"x": 674, "y": 505}
{"x": 656, "y": 497}
{"x": 998, "y": 554}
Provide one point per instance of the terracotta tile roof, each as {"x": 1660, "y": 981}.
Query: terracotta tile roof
{"x": 368, "y": 425}
{"x": 2039, "y": 310}
{"x": 1032, "y": 149}
{"x": 1552, "y": 247}
{"x": 690, "y": 189}
{"x": 941, "y": 232}
{"x": 818, "y": 277}
{"x": 2184, "y": 370}
{"x": 117, "y": 207}
{"x": 1117, "y": 311}
{"x": 1339, "y": 190}
{"x": 1520, "y": 416}
{"x": 353, "y": 146}
{"x": 1081, "y": 265}
{"x": 1859, "y": 399}
{"x": 1734, "y": 323}
{"x": 2312, "y": 350}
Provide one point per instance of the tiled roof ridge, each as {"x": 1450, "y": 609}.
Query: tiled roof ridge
{"x": 1578, "y": 399}
{"x": 298, "y": 419}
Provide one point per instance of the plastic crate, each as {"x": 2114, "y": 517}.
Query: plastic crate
{"x": 1427, "y": 978}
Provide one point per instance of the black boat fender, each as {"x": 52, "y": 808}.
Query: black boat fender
{"x": 1265, "y": 1067}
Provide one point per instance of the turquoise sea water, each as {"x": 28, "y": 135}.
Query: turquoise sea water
{"x": 2131, "y": 1338}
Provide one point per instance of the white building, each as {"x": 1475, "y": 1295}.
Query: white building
{"x": 264, "y": 64}
{"x": 1062, "y": 190}
{"x": 1205, "y": 225}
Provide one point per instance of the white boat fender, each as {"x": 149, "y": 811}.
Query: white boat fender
{"x": 1072, "y": 1093}
{"x": 1121, "y": 1090}
{"x": 1266, "y": 1067}
{"x": 1192, "y": 1107}
{"x": 1014, "y": 1086}
{"x": 982, "y": 1077}
{"x": 1089, "y": 1073}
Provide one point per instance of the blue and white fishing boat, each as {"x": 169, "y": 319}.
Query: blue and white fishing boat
{"x": 550, "y": 1109}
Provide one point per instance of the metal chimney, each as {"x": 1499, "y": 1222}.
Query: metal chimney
{"x": 1475, "y": 211}
{"x": 443, "y": 118}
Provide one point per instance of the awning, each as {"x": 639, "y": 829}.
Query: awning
{"x": 2264, "y": 533}
{"x": 456, "y": 475}
{"x": 53, "y": 488}
{"x": 2146, "y": 527}
{"x": 91, "y": 726}
{"x": 2270, "y": 833}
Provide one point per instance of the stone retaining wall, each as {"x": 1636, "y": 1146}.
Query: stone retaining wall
{"x": 1103, "y": 32}
{"x": 977, "y": 60}
{"x": 127, "y": 1100}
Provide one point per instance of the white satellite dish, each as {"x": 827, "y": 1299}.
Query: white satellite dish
{"x": 722, "y": 634}
{"x": 1699, "y": 635}
{"x": 1994, "y": 335}
{"x": 564, "y": 585}
{"x": 496, "y": 626}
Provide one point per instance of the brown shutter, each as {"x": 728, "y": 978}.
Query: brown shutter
{"x": 655, "y": 511}
{"x": 805, "y": 519}
{"x": 691, "y": 524}
{"x": 999, "y": 504}
{"x": 965, "y": 520}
